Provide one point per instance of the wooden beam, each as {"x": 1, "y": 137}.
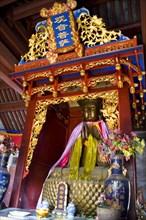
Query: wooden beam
{"x": 21, "y": 30}
{"x": 8, "y": 81}
{"x": 122, "y": 20}
{"x": 89, "y": 4}
{"x": 4, "y": 2}
{"x": 12, "y": 106}
{"x": 3, "y": 68}
{"x": 130, "y": 11}
{"x": 129, "y": 29}
{"x": 7, "y": 58}
{"x": 31, "y": 8}
{"x": 12, "y": 39}
{"x": 36, "y": 18}
{"x": 143, "y": 23}
{"x": 3, "y": 85}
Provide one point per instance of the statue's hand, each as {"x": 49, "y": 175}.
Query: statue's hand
{"x": 95, "y": 133}
{"x": 85, "y": 132}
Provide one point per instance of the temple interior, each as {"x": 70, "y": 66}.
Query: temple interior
{"x": 73, "y": 109}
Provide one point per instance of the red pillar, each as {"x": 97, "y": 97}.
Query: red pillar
{"x": 17, "y": 187}
{"x": 124, "y": 110}
{"x": 126, "y": 127}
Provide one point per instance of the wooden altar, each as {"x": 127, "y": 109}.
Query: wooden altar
{"x": 112, "y": 71}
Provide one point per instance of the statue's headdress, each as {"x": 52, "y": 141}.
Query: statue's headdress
{"x": 97, "y": 102}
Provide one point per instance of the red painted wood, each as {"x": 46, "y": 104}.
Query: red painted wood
{"x": 51, "y": 144}
{"x": 8, "y": 81}
{"x": 15, "y": 197}
{"x": 124, "y": 110}
{"x": 74, "y": 119}
{"x": 126, "y": 127}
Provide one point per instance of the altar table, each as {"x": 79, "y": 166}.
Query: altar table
{"x": 5, "y": 215}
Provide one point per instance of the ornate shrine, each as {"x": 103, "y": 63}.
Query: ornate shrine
{"x": 73, "y": 56}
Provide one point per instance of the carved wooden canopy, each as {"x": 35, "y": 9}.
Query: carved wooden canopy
{"x": 101, "y": 72}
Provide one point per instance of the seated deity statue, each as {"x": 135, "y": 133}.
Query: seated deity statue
{"x": 82, "y": 147}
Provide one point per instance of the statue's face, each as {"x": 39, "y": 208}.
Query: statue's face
{"x": 90, "y": 112}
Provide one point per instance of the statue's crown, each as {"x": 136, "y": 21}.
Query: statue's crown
{"x": 96, "y": 102}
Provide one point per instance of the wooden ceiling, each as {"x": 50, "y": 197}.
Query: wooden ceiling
{"x": 17, "y": 23}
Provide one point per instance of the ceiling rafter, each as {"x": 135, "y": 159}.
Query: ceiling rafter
{"x": 31, "y": 8}
{"x": 12, "y": 39}
{"x": 91, "y": 3}
{"x": 7, "y": 58}
{"x": 3, "y": 85}
{"x": 21, "y": 30}
{"x": 129, "y": 29}
{"x": 13, "y": 106}
{"x": 4, "y": 2}
{"x": 4, "y": 68}
{"x": 9, "y": 82}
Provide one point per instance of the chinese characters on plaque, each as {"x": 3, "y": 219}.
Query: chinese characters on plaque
{"x": 62, "y": 30}
{"x": 61, "y": 199}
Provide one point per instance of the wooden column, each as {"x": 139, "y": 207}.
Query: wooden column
{"x": 126, "y": 127}
{"x": 74, "y": 119}
{"x": 7, "y": 197}
{"x": 124, "y": 110}
{"x": 16, "y": 193}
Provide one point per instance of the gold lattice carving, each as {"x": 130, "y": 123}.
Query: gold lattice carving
{"x": 38, "y": 75}
{"x": 74, "y": 68}
{"x": 129, "y": 64}
{"x": 42, "y": 89}
{"x": 57, "y": 8}
{"x": 100, "y": 79}
{"x": 111, "y": 47}
{"x": 37, "y": 44}
{"x": 39, "y": 120}
{"x": 26, "y": 97}
{"x": 71, "y": 84}
{"x": 110, "y": 112}
{"x": 100, "y": 63}
{"x": 75, "y": 85}
{"x": 52, "y": 42}
{"x": 128, "y": 80}
{"x": 93, "y": 31}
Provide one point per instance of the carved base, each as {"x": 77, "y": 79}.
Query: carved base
{"x": 83, "y": 194}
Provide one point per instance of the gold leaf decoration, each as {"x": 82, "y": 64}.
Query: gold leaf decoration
{"x": 110, "y": 112}
{"x": 93, "y": 31}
